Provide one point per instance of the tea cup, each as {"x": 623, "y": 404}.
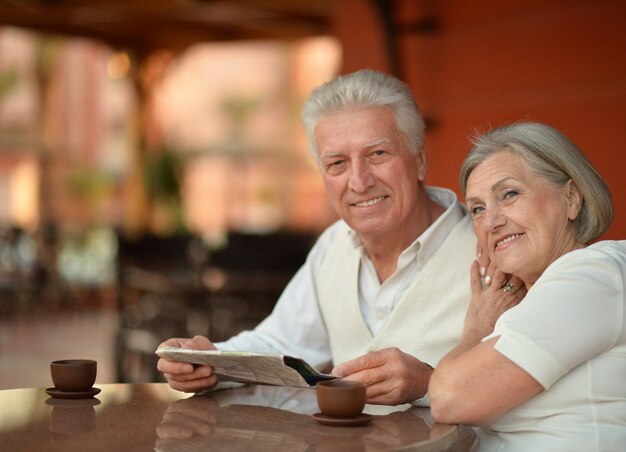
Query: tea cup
{"x": 340, "y": 398}
{"x": 73, "y": 375}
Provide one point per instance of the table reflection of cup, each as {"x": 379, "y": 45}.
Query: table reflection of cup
{"x": 72, "y": 416}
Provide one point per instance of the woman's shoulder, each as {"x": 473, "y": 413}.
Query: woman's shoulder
{"x": 602, "y": 256}
{"x": 605, "y": 249}
{"x": 609, "y": 246}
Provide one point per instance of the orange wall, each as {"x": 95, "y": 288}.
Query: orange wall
{"x": 562, "y": 62}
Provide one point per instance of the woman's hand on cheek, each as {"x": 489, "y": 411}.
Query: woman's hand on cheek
{"x": 486, "y": 266}
{"x": 489, "y": 302}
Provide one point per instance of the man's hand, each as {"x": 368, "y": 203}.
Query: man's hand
{"x": 187, "y": 377}
{"x": 390, "y": 376}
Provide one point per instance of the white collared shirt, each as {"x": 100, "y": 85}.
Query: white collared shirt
{"x": 295, "y": 326}
{"x": 378, "y": 300}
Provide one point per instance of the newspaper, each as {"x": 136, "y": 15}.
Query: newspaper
{"x": 249, "y": 367}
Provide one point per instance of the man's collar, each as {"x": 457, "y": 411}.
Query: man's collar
{"x": 427, "y": 243}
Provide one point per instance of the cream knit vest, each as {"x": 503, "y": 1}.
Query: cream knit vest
{"x": 426, "y": 322}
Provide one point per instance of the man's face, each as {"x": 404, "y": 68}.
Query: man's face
{"x": 370, "y": 175}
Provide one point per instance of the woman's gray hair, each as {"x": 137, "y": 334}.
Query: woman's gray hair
{"x": 550, "y": 155}
{"x": 363, "y": 89}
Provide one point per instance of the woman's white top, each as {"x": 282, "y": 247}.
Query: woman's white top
{"x": 569, "y": 333}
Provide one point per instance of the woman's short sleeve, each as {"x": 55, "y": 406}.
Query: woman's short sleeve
{"x": 573, "y": 312}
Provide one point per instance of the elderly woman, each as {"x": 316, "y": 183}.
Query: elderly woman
{"x": 550, "y": 372}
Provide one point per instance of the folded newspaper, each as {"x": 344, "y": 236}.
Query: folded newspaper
{"x": 248, "y": 367}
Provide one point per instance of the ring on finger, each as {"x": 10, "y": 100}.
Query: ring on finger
{"x": 508, "y": 287}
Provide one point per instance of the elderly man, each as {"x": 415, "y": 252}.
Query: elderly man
{"x": 383, "y": 293}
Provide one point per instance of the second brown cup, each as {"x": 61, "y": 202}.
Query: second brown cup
{"x": 73, "y": 375}
{"x": 341, "y": 398}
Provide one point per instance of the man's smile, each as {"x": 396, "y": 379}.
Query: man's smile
{"x": 369, "y": 202}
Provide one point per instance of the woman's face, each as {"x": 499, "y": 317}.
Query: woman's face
{"x": 523, "y": 220}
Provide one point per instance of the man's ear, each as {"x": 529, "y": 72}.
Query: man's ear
{"x": 422, "y": 165}
{"x": 574, "y": 199}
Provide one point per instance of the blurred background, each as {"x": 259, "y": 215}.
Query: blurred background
{"x": 154, "y": 177}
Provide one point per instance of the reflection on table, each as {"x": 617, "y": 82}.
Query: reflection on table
{"x": 154, "y": 417}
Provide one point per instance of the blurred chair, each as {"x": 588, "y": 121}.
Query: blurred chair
{"x": 248, "y": 275}
{"x": 18, "y": 271}
{"x": 178, "y": 287}
{"x": 158, "y": 289}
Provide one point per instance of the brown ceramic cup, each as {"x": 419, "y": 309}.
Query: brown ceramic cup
{"x": 341, "y": 398}
{"x": 73, "y": 375}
